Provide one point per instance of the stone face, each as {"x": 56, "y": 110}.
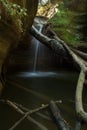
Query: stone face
{"x": 31, "y": 6}
{"x": 9, "y": 35}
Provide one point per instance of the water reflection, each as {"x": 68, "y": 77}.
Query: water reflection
{"x": 34, "y": 89}
{"x": 38, "y": 74}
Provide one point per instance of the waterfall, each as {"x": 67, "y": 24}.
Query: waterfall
{"x": 37, "y": 47}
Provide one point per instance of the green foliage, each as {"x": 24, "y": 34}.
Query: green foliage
{"x": 12, "y": 15}
{"x": 65, "y": 26}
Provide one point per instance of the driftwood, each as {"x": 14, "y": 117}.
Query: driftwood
{"x": 77, "y": 61}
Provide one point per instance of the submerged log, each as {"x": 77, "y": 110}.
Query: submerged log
{"x": 60, "y": 122}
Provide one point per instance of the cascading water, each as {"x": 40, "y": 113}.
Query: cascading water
{"x": 37, "y": 47}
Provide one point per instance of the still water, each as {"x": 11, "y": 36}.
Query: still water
{"x": 34, "y": 89}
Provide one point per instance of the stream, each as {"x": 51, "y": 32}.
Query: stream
{"x": 34, "y": 78}
{"x": 34, "y": 89}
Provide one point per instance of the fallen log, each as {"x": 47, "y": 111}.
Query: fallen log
{"x": 79, "y": 63}
{"x": 50, "y": 33}
{"x": 51, "y": 43}
{"x": 60, "y": 122}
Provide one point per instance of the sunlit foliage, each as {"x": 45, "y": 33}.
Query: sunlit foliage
{"x": 12, "y": 15}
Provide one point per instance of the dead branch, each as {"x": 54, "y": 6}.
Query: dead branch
{"x": 19, "y": 107}
{"x": 30, "y": 119}
{"x": 25, "y": 115}
{"x": 19, "y": 121}
{"x": 37, "y": 110}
